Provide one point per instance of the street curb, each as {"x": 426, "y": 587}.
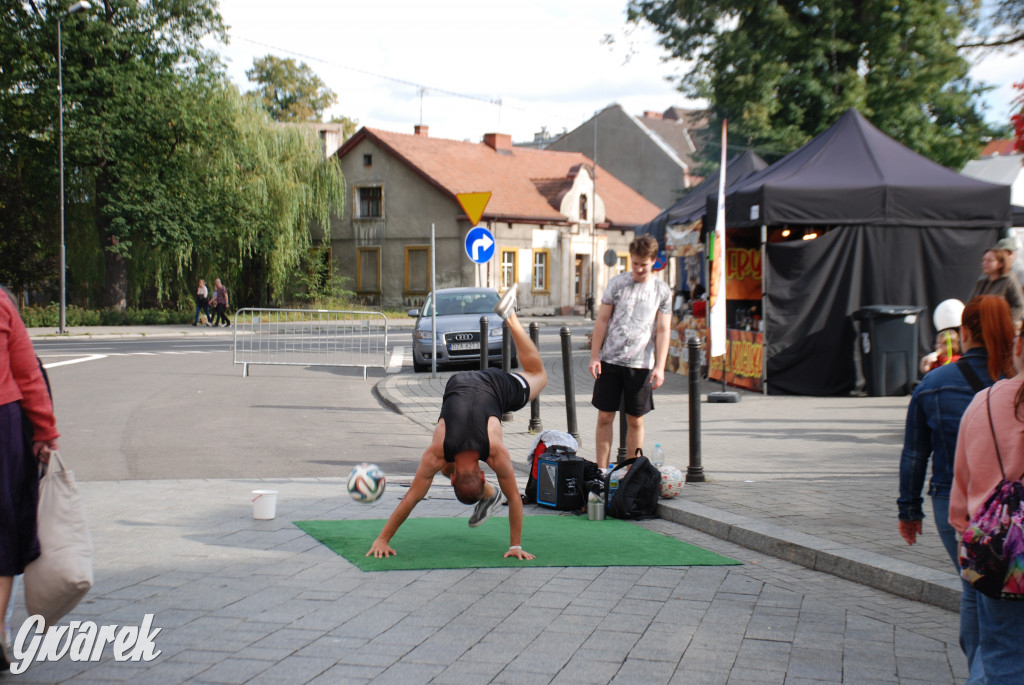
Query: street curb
{"x": 383, "y": 394}
{"x": 121, "y": 336}
{"x": 901, "y": 578}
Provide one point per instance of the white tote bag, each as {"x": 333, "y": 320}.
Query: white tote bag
{"x": 62, "y": 575}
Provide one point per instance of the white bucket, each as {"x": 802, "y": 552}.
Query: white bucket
{"x": 264, "y": 504}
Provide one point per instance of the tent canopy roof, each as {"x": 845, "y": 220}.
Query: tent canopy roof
{"x": 691, "y": 206}
{"x": 853, "y": 174}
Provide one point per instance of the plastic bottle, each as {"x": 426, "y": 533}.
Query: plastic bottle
{"x": 659, "y": 455}
{"x": 613, "y": 482}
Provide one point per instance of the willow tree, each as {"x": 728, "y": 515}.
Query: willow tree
{"x": 278, "y": 184}
{"x": 782, "y": 71}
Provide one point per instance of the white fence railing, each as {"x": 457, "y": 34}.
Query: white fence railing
{"x": 310, "y": 337}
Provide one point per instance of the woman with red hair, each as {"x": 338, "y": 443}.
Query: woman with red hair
{"x": 991, "y": 444}
{"x": 933, "y": 422}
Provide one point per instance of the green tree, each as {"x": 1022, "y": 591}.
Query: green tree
{"x": 170, "y": 173}
{"x": 290, "y": 91}
{"x": 348, "y": 126}
{"x": 277, "y": 183}
{"x": 783, "y": 71}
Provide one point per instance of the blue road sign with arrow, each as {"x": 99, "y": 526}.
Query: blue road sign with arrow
{"x": 480, "y": 245}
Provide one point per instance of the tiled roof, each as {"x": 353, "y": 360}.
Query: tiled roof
{"x": 998, "y": 147}
{"x": 520, "y": 180}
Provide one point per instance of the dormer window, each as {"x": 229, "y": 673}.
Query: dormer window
{"x": 583, "y": 207}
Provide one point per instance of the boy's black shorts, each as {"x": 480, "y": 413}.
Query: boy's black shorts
{"x": 616, "y": 382}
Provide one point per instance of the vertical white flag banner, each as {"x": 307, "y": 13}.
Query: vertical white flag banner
{"x": 716, "y": 289}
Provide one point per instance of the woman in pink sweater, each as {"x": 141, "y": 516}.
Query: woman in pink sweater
{"x": 28, "y": 432}
{"x": 1000, "y": 654}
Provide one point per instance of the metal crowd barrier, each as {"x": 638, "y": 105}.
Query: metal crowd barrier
{"x": 310, "y": 337}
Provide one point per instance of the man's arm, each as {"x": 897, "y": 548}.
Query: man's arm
{"x": 662, "y": 336}
{"x": 424, "y": 477}
{"x": 604, "y": 315}
{"x": 501, "y": 463}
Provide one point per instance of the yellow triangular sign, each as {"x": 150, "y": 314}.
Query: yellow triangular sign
{"x": 473, "y": 204}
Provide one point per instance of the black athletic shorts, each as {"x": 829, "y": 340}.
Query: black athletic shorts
{"x": 470, "y": 399}
{"x": 616, "y": 382}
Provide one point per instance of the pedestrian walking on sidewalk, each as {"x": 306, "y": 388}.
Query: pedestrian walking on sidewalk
{"x": 629, "y": 348}
{"x": 202, "y": 303}
{"x": 933, "y": 423}
{"x": 989, "y": 445}
{"x": 220, "y": 300}
{"x": 28, "y": 434}
{"x": 468, "y": 432}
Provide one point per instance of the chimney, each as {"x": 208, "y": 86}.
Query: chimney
{"x": 501, "y": 142}
{"x": 653, "y": 115}
{"x": 421, "y": 130}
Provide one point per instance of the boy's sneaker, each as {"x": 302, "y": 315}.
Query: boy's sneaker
{"x": 507, "y": 304}
{"x": 485, "y": 507}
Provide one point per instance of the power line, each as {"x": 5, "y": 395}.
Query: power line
{"x": 421, "y": 89}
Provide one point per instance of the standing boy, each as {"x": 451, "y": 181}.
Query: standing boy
{"x": 629, "y": 348}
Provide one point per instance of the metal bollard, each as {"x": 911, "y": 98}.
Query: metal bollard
{"x": 506, "y": 359}
{"x": 694, "y": 472}
{"x": 570, "y": 386}
{"x": 484, "y": 361}
{"x": 535, "y": 424}
{"x": 506, "y": 347}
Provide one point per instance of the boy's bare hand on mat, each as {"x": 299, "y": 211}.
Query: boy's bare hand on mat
{"x": 518, "y": 554}
{"x": 380, "y": 548}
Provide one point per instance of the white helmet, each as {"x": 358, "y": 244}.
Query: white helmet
{"x": 947, "y": 314}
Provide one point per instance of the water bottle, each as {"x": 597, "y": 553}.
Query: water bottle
{"x": 613, "y": 482}
{"x": 659, "y": 455}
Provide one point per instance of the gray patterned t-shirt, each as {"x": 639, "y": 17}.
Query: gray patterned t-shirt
{"x": 630, "y": 337}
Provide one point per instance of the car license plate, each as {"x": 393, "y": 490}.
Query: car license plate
{"x": 458, "y": 347}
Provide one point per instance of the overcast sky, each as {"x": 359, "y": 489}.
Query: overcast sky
{"x": 446, "y": 63}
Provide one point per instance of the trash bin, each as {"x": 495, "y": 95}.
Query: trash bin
{"x": 888, "y": 344}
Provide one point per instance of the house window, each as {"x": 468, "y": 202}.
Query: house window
{"x": 583, "y": 207}
{"x": 367, "y": 160}
{"x": 508, "y": 268}
{"x": 368, "y": 269}
{"x": 623, "y": 264}
{"x": 541, "y": 270}
{"x": 417, "y": 269}
{"x": 371, "y": 202}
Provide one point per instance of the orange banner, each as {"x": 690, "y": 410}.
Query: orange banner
{"x": 743, "y": 273}
{"x": 745, "y": 352}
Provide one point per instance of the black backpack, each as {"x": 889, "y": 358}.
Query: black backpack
{"x": 637, "y": 495}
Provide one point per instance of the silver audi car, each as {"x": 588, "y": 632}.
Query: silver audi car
{"x": 458, "y": 328}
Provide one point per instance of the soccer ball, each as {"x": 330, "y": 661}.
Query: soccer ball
{"x": 671, "y": 481}
{"x": 366, "y": 482}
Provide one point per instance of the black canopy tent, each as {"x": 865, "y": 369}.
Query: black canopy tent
{"x": 692, "y": 205}
{"x": 912, "y": 233}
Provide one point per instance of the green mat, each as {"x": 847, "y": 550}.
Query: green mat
{"x": 426, "y": 543}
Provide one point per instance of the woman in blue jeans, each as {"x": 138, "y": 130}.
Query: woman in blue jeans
{"x": 933, "y": 421}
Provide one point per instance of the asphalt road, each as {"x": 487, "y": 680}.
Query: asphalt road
{"x": 179, "y": 408}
